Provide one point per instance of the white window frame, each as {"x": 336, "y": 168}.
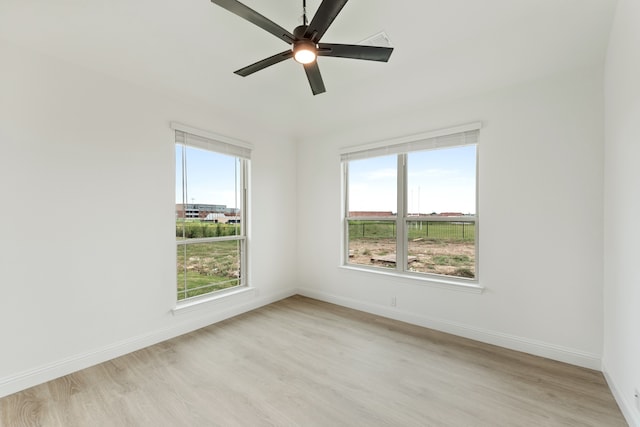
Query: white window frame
{"x": 197, "y": 138}
{"x": 444, "y": 138}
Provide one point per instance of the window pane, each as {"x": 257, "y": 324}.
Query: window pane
{"x": 208, "y": 196}
{"x": 372, "y": 243}
{"x": 442, "y": 247}
{"x": 208, "y": 267}
{"x": 436, "y": 230}
{"x": 209, "y": 203}
{"x": 442, "y": 183}
{"x": 372, "y": 187}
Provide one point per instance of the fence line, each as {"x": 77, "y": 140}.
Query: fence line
{"x": 445, "y": 230}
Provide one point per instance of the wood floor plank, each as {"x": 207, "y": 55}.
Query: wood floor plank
{"x": 305, "y": 362}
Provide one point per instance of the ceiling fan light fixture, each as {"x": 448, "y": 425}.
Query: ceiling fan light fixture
{"x": 304, "y": 51}
{"x": 305, "y": 40}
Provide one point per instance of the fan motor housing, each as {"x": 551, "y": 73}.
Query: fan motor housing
{"x": 299, "y": 31}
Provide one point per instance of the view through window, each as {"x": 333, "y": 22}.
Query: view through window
{"x": 413, "y": 211}
{"x": 210, "y": 216}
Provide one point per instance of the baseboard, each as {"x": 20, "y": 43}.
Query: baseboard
{"x": 626, "y": 406}
{"x": 59, "y": 368}
{"x": 538, "y": 348}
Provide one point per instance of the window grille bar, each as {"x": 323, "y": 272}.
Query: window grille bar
{"x": 208, "y": 285}
{"x": 209, "y": 240}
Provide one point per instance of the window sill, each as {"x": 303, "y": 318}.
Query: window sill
{"x": 431, "y": 281}
{"x": 218, "y": 297}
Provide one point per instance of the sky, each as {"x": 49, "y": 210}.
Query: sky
{"x": 211, "y": 177}
{"x": 442, "y": 180}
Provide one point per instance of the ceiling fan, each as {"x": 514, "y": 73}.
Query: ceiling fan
{"x": 305, "y": 40}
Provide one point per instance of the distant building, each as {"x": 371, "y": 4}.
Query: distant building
{"x": 215, "y": 217}
{"x": 222, "y": 218}
{"x": 201, "y": 211}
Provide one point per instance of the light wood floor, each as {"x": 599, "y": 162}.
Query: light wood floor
{"x": 301, "y": 362}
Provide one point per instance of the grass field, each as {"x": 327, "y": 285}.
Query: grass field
{"x": 437, "y": 247}
{"x": 207, "y": 267}
{"x": 435, "y": 230}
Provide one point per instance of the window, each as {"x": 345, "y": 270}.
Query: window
{"x": 410, "y": 205}
{"x": 211, "y": 214}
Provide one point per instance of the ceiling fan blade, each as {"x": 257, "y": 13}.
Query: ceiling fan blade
{"x": 315, "y": 79}
{"x": 267, "y": 62}
{"x": 323, "y": 18}
{"x": 369, "y": 53}
{"x": 254, "y": 17}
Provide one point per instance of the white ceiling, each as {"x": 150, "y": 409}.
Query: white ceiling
{"x": 444, "y": 49}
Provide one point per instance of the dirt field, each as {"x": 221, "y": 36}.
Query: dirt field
{"x": 431, "y": 256}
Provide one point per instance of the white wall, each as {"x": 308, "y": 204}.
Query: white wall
{"x": 540, "y": 212}
{"x": 621, "y": 360}
{"x": 87, "y": 253}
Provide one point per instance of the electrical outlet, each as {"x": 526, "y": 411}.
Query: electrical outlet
{"x": 393, "y": 301}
